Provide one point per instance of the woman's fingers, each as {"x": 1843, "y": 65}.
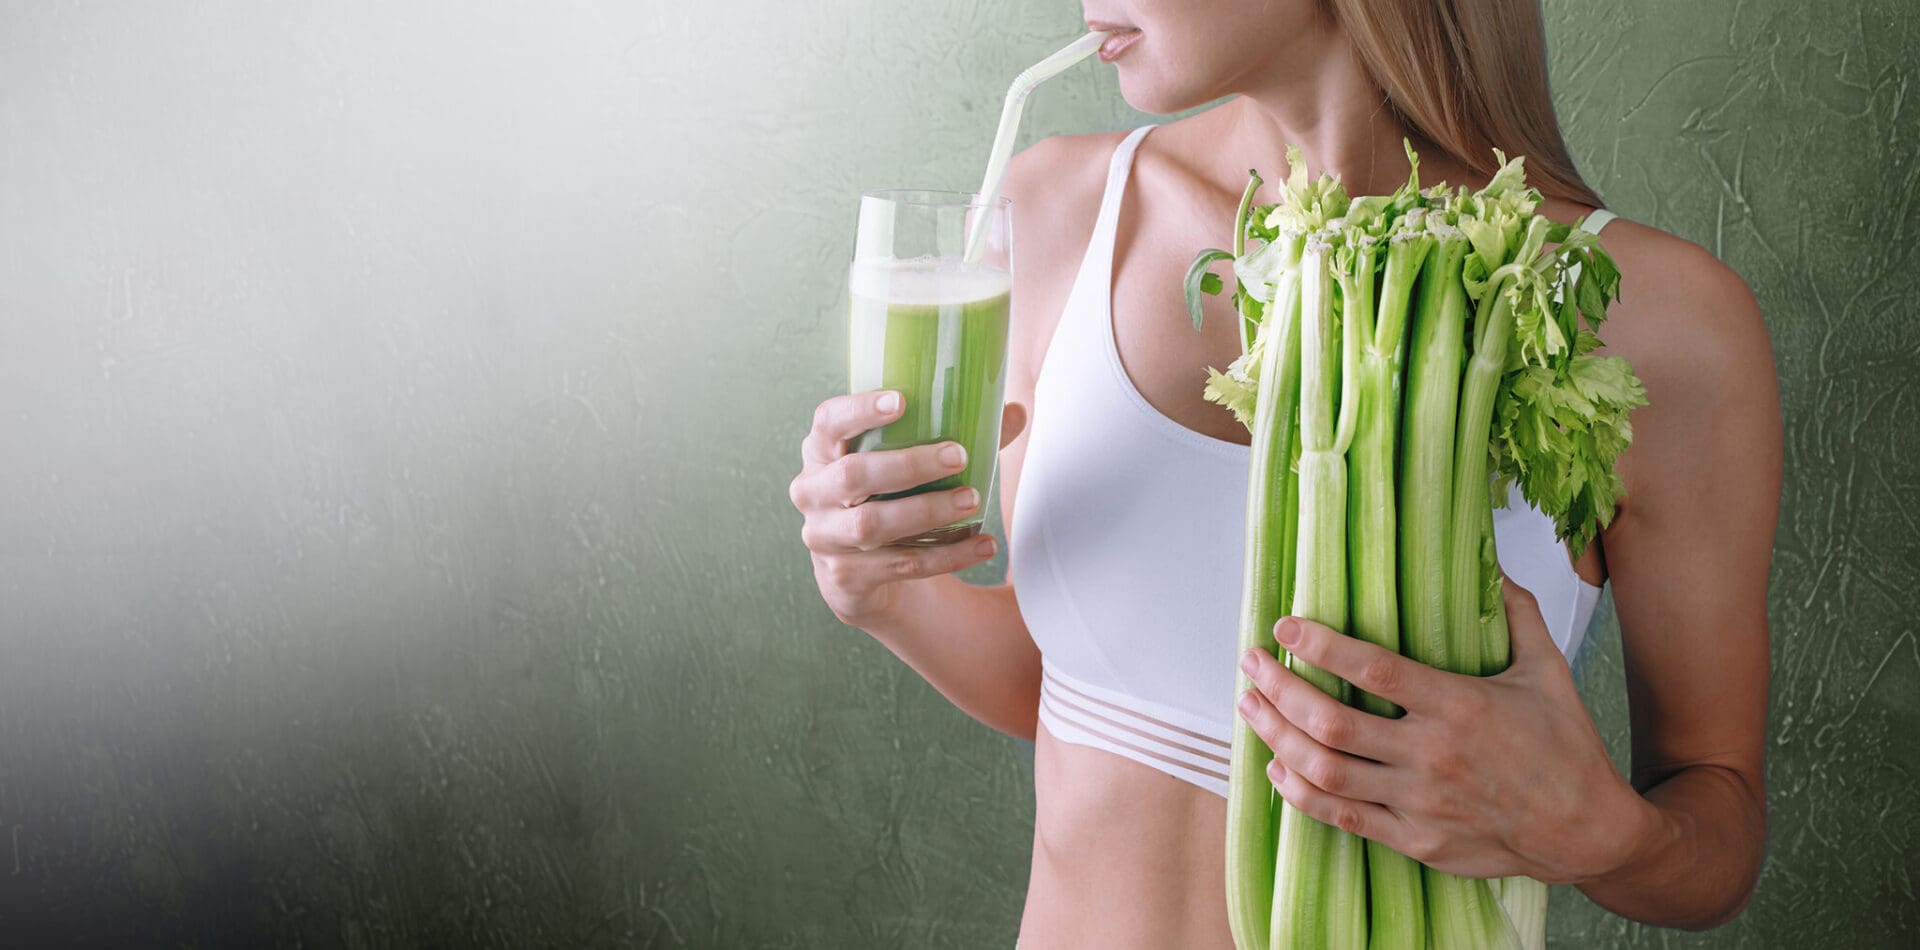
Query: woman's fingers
{"x": 1332, "y": 771}
{"x": 1400, "y": 680}
{"x": 1532, "y": 641}
{"x": 875, "y": 524}
{"x": 1330, "y": 722}
{"x": 853, "y": 478}
{"x": 1354, "y": 816}
{"x": 850, "y": 535}
{"x": 840, "y": 418}
{"x": 862, "y": 571}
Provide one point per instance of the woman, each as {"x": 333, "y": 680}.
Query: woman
{"x": 1112, "y": 644}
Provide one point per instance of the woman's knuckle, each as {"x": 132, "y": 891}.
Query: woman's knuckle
{"x": 1348, "y": 817}
{"x": 1381, "y": 675}
{"x": 903, "y": 565}
{"x": 863, "y": 524}
{"x": 1325, "y": 771}
{"x": 838, "y": 479}
{"x": 822, "y": 415}
{"x": 1331, "y": 727}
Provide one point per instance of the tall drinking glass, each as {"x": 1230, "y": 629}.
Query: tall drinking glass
{"x": 932, "y": 325}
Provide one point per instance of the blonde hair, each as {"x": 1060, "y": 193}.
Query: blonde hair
{"x": 1469, "y": 76}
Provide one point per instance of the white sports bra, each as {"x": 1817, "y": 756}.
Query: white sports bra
{"x": 1125, "y": 551}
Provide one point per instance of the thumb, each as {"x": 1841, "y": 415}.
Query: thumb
{"x": 1526, "y": 627}
{"x": 1013, "y": 421}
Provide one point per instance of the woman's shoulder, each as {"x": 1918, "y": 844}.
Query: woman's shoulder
{"x": 1056, "y": 185}
{"x": 1694, "y": 334}
{"x": 1681, "y": 308}
{"x": 1068, "y": 154}
{"x": 1060, "y": 173}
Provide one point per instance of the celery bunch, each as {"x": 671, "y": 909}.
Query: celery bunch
{"x": 1404, "y": 359}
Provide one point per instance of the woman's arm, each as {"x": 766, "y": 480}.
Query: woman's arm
{"x": 1688, "y": 557}
{"x": 970, "y": 643}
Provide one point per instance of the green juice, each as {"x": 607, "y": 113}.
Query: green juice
{"x": 934, "y": 330}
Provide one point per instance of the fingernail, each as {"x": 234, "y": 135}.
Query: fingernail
{"x": 966, "y": 498}
{"x": 1249, "y": 662}
{"x": 953, "y": 454}
{"x": 984, "y": 547}
{"x": 1247, "y": 705}
{"x": 1276, "y": 771}
{"x": 889, "y": 402}
{"x": 1287, "y": 631}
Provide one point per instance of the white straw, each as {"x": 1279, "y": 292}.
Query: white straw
{"x": 1010, "y": 121}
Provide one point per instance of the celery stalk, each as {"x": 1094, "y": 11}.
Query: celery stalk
{"x": 1438, "y": 333}
{"x": 1371, "y": 507}
{"x": 1249, "y": 320}
{"x": 1472, "y": 501}
{"x": 1473, "y": 594}
{"x": 1320, "y": 889}
{"x": 1464, "y": 911}
{"x": 1396, "y": 897}
{"x": 1266, "y": 588}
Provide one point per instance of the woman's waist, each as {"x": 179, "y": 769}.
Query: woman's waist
{"x": 1117, "y": 841}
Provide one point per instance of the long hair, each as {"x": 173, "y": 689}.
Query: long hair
{"x": 1469, "y": 76}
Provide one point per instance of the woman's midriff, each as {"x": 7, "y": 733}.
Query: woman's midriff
{"x": 1123, "y": 855}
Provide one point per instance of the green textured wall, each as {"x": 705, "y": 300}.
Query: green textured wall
{"x": 397, "y": 404}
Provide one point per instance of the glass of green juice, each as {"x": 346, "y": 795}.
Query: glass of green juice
{"x": 930, "y": 323}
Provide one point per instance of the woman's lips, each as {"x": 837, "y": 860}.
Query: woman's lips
{"x": 1117, "y": 44}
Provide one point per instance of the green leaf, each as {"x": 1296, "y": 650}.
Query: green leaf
{"x": 1489, "y": 242}
{"x": 1238, "y": 388}
{"x": 1607, "y": 381}
{"x": 1196, "y": 282}
{"x": 1259, "y": 271}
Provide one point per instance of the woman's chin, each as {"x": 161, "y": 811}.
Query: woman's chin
{"x": 1152, "y": 95}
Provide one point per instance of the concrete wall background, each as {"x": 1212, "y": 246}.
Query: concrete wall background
{"x": 397, "y": 404}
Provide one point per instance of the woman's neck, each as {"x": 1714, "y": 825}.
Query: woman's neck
{"x": 1321, "y": 99}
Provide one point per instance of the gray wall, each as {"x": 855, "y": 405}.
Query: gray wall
{"x": 397, "y": 403}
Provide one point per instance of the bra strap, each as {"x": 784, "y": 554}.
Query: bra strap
{"x": 1597, "y": 220}
{"x": 1107, "y": 225}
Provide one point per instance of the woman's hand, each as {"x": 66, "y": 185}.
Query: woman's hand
{"x": 857, "y": 573}
{"x": 1482, "y": 777}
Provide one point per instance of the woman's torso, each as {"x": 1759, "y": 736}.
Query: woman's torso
{"x": 1128, "y": 847}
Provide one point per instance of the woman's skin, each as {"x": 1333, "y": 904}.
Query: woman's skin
{"x": 1482, "y": 776}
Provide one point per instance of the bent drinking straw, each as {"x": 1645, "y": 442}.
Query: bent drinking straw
{"x": 1023, "y": 85}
